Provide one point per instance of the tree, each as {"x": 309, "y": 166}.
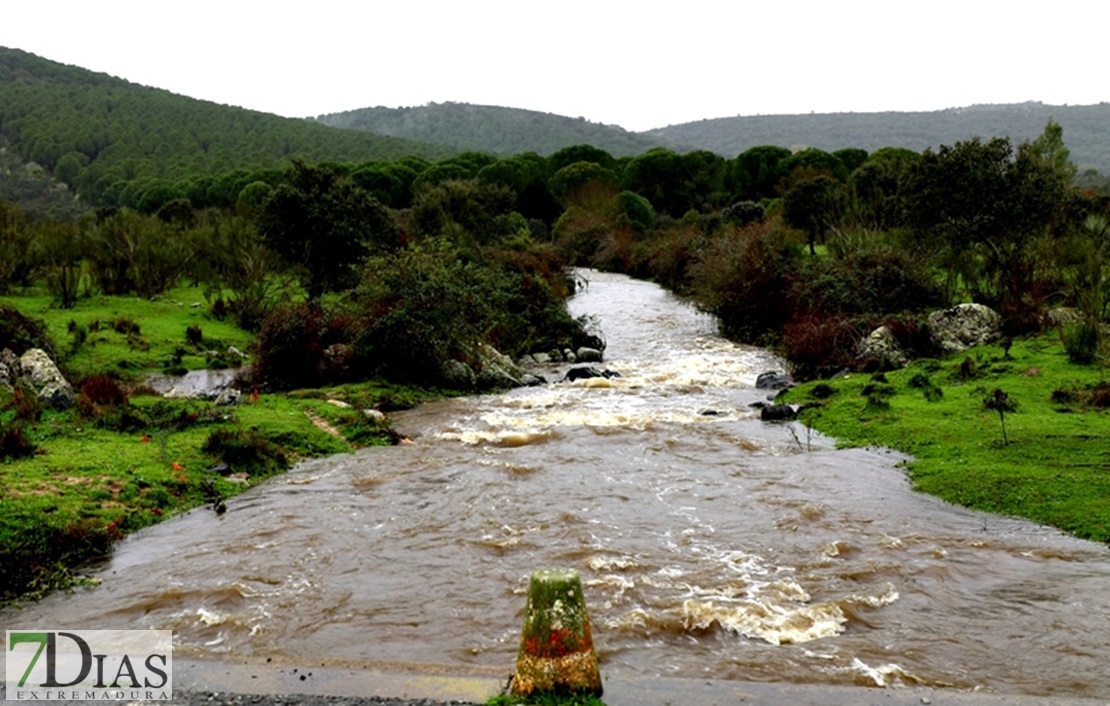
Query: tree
{"x": 326, "y": 224}
{"x": 988, "y": 208}
{"x": 636, "y": 209}
{"x": 756, "y": 172}
{"x": 16, "y": 240}
{"x": 659, "y": 176}
{"x": 851, "y": 157}
{"x": 810, "y": 206}
{"x": 59, "y": 254}
{"x": 579, "y": 153}
{"x": 584, "y": 184}
{"x": 1001, "y": 402}
{"x": 813, "y": 161}
{"x": 464, "y": 212}
{"x": 875, "y": 188}
{"x": 439, "y": 173}
{"x": 527, "y": 175}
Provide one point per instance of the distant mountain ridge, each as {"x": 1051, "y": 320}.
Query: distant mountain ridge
{"x": 100, "y": 135}
{"x": 493, "y": 129}
{"x": 1086, "y": 130}
{"x": 508, "y": 131}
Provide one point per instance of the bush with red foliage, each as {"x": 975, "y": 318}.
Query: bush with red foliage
{"x": 103, "y": 389}
{"x": 293, "y": 347}
{"x": 819, "y": 346}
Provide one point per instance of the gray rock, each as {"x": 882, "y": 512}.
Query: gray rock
{"x": 964, "y": 326}
{"x": 177, "y": 392}
{"x": 1063, "y": 316}
{"x": 458, "y": 375}
{"x": 881, "y": 347}
{"x": 45, "y": 378}
{"x": 532, "y": 380}
{"x": 228, "y": 397}
{"x": 778, "y": 413}
{"x": 232, "y": 350}
{"x": 497, "y": 370}
{"x": 541, "y": 358}
{"x": 588, "y": 355}
{"x": 585, "y": 372}
{"x": 9, "y": 369}
{"x": 772, "y": 380}
{"x": 569, "y": 356}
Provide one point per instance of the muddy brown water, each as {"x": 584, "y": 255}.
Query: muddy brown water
{"x": 710, "y": 544}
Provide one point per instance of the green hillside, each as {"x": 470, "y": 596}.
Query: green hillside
{"x": 504, "y": 131}
{"x": 91, "y": 130}
{"x": 1085, "y": 130}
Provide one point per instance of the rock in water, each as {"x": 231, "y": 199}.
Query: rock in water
{"x": 556, "y": 647}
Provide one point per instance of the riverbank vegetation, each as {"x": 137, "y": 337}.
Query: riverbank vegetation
{"x": 1047, "y": 463}
{"x": 370, "y": 283}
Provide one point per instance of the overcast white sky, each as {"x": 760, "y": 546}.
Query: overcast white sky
{"x": 639, "y": 65}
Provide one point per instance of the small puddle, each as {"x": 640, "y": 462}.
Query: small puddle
{"x": 197, "y": 383}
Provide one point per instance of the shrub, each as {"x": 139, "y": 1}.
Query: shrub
{"x": 822, "y": 391}
{"x": 818, "y": 346}
{"x": 21, "y": 333}
{"x": 878, "y": 397}
{"x": 742, "y": 278}
{"x": 246, "y": 450}
{"x": 14, "y": 442}
{"x": 193, "y": 335}
{"x": 291, "y": 346}
{"x": 744, "y": 213}
{"x": 28, "y": 407}
{"x": 126, "y": 325}
{"x": 667, "y": 257}
{"x": 103, "y": 389}
{"x": 1082, "y": 341}
{"x": 424, "y": 306}
{"x": 876, "y": 279}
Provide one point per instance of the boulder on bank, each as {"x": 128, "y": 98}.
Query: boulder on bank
{"x": 51, "y": 387}
{"x": 9, "y": 369}
{"x": 457, "y": 375}
{"x": 772, "y": 380}
{"x": 227, "y": 397}
{"x": 964, "y": 326}
{"x": 585, "y": 372}
{"x": 882, "y": 350}
{"x": 497, "y": 370}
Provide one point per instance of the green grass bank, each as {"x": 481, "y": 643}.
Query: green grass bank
{"x": 74, "y": 481}
{"x": 1055, "y": 467}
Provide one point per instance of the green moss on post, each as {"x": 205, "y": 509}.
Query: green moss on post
{"x": 556, "y": 647}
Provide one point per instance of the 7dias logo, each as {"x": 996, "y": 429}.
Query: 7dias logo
{"x": 89, "y": 665}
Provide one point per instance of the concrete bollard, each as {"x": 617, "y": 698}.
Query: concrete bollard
{"x": 556, "y": 647}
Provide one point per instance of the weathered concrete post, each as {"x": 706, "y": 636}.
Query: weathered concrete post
{"x": 556, "y": 647}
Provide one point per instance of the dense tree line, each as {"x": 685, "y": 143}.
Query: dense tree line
{"x": 398, "y": 265}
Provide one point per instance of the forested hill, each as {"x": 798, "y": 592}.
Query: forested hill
{"x": 1085, "y": 130}
{"x": 93, "y": 131}
{"x": 504, "y": 131}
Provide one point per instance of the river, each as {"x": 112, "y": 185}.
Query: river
{"x": 710, "y": 544}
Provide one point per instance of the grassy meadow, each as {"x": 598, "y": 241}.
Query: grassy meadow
{"x": 76, "y": 480}
{"x": 1052, "y": 465}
